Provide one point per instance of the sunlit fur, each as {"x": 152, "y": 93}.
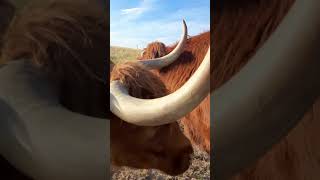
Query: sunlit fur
{"x": 197, "y": 123}
{"x": 154, "y": 50}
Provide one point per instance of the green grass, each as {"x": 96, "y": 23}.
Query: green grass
{"x": 121, "y": 54}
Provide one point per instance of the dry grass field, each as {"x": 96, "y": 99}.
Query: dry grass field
{"x": 120, "y": 54}
{"x": 200, "y": 167}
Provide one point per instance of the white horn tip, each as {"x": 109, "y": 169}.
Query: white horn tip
{"x": 184, "y": 22}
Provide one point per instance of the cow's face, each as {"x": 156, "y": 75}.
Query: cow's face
{"x": 161, "y": 147}
{"x": 153, "y": 50}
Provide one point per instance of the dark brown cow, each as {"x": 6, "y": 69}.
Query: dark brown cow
{"x": 197, "y": 123}
{"x": 162, "y": 147}
{"x": 68, "y": 40}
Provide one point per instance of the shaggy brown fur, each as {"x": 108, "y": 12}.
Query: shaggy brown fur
{"x": 162, "y": 147}
{"x": 7, "y": 11}
{"x": 68, "y": 39}
{"x": 197, "y": 123}
{"x": 139, "y": 85}
{"x": 154, "y": 50}
{"x": 239, "y": 30}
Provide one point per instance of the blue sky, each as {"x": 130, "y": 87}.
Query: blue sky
{"x": 135, "y": 23}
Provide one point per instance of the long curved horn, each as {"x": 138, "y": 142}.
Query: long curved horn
{"x": 166, "y": 60}
{"x": 167, "y": 109}
{"x": 268, "y": 97}
{"x": 38, "y": 134}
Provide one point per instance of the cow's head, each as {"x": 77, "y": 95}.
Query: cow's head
{"x": 68, "y": 40}
{"x": 153, "y": 50}
{"x": 152, "y": 143}
{"x": 162, "y": 147}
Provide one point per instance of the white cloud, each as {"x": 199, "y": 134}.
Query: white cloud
{"x": 139, "y": 34}
{"x": 130, "y": 31}
{"x": 133, "y": 11}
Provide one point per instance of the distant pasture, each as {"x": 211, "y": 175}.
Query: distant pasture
{"x": 121, "y": 54}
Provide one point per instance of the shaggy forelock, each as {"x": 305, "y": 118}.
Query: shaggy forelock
{"x": 44, "y": 31}
{"x": 141, "y": 83}
{"x": 154, "y": 50}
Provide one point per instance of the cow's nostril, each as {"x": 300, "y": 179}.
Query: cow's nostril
{"x": 182, "y": 162}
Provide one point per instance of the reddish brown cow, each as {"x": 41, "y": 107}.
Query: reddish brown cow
{"x": 68, "y": 40}
{"x": 154, "y": 50}
{"x": 240, "y": 29}
{"x": 197, "y": 123}
{"x": 162, "y": 147}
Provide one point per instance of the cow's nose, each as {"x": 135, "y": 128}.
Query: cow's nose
{"x": 187, "y": 150}
{"x": 182, "y": 162}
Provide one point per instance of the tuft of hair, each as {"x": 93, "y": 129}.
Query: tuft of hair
{"x": 154, "y": 50}
{"x": 141, "y": 83}
{"x": 58, "y": 33}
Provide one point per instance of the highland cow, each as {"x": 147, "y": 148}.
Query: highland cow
{"x": 240, "y": 29}
{"x": 148, "y": 147}
{"x": 154, "y": 50}
{"x": 197, "y": 123}
{"x": 68, "y": 41}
